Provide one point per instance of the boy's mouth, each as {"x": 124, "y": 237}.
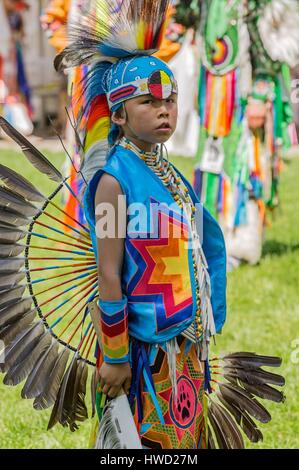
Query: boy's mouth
{"x": 165, "y": 126}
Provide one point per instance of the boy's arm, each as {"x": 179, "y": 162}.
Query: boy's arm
{"x": 115, "y": 372}
{"x": 110, "y": 246}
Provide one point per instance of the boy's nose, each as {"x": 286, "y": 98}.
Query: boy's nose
{"x": 163, "y": 111}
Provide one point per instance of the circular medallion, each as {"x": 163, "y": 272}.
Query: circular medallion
{"x": 223, "y": 54}
{"x": 183, "y": 410}
{"x": 160, "y": 85}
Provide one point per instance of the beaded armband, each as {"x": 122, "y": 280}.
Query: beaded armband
{"x": 114, "y": 328}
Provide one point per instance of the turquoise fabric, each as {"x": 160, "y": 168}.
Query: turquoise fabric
{"x": 147, "y": 313}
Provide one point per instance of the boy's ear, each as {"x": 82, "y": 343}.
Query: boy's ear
{"x": 119, "y": 117}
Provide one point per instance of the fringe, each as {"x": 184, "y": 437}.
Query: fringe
{"x": 208, "y": 323}
{"x": 172, "y": 351}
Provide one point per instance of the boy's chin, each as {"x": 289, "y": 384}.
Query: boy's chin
{"x": 162, "y": 139}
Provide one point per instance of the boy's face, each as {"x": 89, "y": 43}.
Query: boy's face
{"x": 150, "y": 119}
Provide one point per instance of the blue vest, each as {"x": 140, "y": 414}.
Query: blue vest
{"x": 158, "y": 274}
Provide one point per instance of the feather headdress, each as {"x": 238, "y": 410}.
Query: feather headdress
{"x": 115, "y": 29}
{"x": 108, "y": 36}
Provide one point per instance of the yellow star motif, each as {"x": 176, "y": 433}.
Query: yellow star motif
{"x": 172, "y": 268}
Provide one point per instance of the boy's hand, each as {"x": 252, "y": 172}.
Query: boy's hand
{"x": 114, "y": 377}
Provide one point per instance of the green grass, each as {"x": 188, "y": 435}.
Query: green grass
{"x": 263, "y": 316}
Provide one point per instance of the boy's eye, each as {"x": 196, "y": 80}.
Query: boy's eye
{"x": 147, "y": 102}
{"x": 170, "y": 100}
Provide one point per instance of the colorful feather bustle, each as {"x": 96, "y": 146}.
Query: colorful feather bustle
{"x": 92, "y": 117}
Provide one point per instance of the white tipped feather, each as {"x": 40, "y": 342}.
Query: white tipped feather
{"x": 117, "y": 428}
{"x": 279, "y": 30}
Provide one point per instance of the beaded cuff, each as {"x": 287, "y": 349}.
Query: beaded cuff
{"x": 114, "y": 328}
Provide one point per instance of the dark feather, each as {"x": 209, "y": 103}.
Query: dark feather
{"x": 15, "y": 311}
{"x": 16, "y": 203}
{"x": 78, "y": 409}
{"x": 224, "y": 419}
{"x": 36, "y": 158}
{"x": 70, "y": 405}
{"x": 12, "y": 218}
{"x": 250, "y": 428}
{"x": 27, "y": 360}
{"x": 48, "y": 397}
{"x": 10, "y": 251}
{"x": 22, "y": 344}
{"x": 243, "y": 420}
{"x": 218, "y": 431}
{"x": 266, "y": 392}
{"x": 8, "y": 281}
{"x": 38, "y": 377}
{"x": 18, "y": 184}
{"x": 11, "y": 331}
{"x": 244, "y": 401}
{"x": 63, "y": 401}
{"x": 252, "y": 360}
{"x": 11, "y": 265}
{"x": 9, "y": 235}
{"x": 252, "y": 376}
{"x": 11, "y": 295}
